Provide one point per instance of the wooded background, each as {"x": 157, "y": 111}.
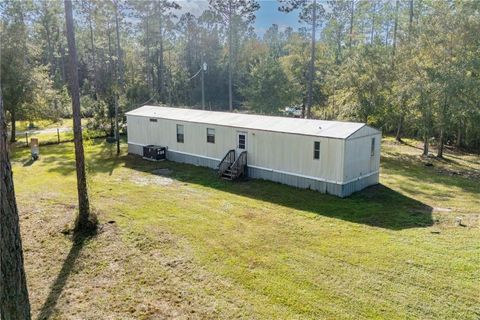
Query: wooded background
{"x": 409, "y": 67}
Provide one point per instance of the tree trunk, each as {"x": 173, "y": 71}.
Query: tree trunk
{"x": 92, "y": 44}
{"x": 14, "y": 302}
{"x": 120, "y": 80}
{"x": 372, "y": 30}
{"x": 410, "y": 20}
{"x": 147, "y": 53}
{"x": 119, "y": 49}
{"x": 311, "y": 76}
{"x": 62, "y": 59}
{"x": 440, "y": 144}
{"x": 425, "y": 144}
{"x": 117, "y": 134}
{"x": 230, "y": 60}
{"x": 458, "y": 142}
{"x": 50, "y": 51}
{"x": 111, "y": 66}
{"x": 13, "y": 121}
{"x": 352, "y": 12}
{"x": 398, "y": 136}
{"x": 443, "y": 116}
{"x": 83, "y": 222}
{"x": 395, "y": 27}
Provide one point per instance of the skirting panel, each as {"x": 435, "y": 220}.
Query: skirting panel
{"x": 360, "y": 184}
{"x": 191, "y": 159}
{"x": 340, "y": 190}
{"x": 135, "y": 149}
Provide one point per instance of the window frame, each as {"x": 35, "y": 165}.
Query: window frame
{"x": 180, "y": 136}
{"x": 316, "y": 151}
{"x": 244, "y": 134}
{"x": 211, "y": 135}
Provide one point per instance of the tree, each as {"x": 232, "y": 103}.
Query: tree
{"x": 232, "y": 12}
{"x": 268, "y": 88}
{"x": 84, "y": 221}
{"x": 15, "y": 62}
{"x": 14, "y": 302}
{"x": 311, "y": 14}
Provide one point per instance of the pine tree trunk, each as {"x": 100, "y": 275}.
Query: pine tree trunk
{"x": 62, "y": 58}
{"x": 440, "y": 144}
{"x": 425, "y": 144}
{"x": 50, "y": 51}
{"x": 311, "y": 76}
{"x": 13, "y": 121}
{"x": 230, "y": 60}
{"x": 92, "y": 44}
{"x": 147, "y": 54}
{"x": 119, "y": 48}
{"x": 458, "y": 142}
{"x": 395, "y": 27}
{"x": 121, "y": 80}
{"x": 352, "y": 11}
{"x": 372, "y": 30}
{"x": 83, "y": 222}
{"x": 398, "y": 135}
{"x": 14, "y": 302}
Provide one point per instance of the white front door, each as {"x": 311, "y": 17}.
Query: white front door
{"x": 241, "y": 141}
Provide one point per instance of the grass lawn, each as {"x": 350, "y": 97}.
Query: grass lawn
{"x": 46, "y": 131}
{"x": 177, "y": 242}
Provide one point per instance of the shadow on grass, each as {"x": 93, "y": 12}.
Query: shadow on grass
{"x": 101, "y": 158}
{"x": 29, "y": 162}
{"x": 56, "y": 289}
{"x": 377, "y": 206}
{"x": 410, "y": 166}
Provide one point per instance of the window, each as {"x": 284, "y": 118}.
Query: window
{"x": 372, "y": 147}
{"x": 153, "y": 120}
{"x": 210, "y": 135}
{"x": 180, "y": 133}
{"x": 316, "y": 150}
{"x": 242, "y": 139}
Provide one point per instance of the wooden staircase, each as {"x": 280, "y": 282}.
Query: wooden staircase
{"x": 231, "y": 168}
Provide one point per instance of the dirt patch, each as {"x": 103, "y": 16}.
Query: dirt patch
{"x": 153, "y": 180}
{"x": 117, "y": 274}
{"x": 146, "y": 178}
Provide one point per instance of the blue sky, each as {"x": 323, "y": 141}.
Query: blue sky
{"x": 266, "y": 16}
{"x": 269, "y": 14}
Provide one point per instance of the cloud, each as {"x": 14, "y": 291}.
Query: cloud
{"x": 195, "y": 7}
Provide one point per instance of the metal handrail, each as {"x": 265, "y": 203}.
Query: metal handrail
{"x": 226, "y": 162}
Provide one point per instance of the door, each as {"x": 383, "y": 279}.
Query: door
{"x": 241, "y": 141}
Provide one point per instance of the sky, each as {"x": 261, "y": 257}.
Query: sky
{"x": 267, "y": 15}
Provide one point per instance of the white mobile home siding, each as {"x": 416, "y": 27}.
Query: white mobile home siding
{"x": 279, "y": 156}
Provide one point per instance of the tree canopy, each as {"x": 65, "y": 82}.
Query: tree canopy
{"x": 409, "y": 67}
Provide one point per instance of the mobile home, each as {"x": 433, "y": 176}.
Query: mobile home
{"x": 332, "y": 157}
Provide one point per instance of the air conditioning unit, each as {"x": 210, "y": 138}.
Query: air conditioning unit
{"x": 154, "y": 153}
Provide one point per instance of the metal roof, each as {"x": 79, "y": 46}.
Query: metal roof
{"x": 319, "y": 128}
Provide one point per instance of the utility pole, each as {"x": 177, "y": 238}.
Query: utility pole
{"x": 204, "y": 68}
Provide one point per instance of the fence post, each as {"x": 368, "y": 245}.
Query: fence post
{"x": 58, "y": 136}
{"x": 26, "y": 138}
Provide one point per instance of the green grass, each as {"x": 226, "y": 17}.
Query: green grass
{"x": 188, "y": 245}
{"x": 51, "y": 136}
